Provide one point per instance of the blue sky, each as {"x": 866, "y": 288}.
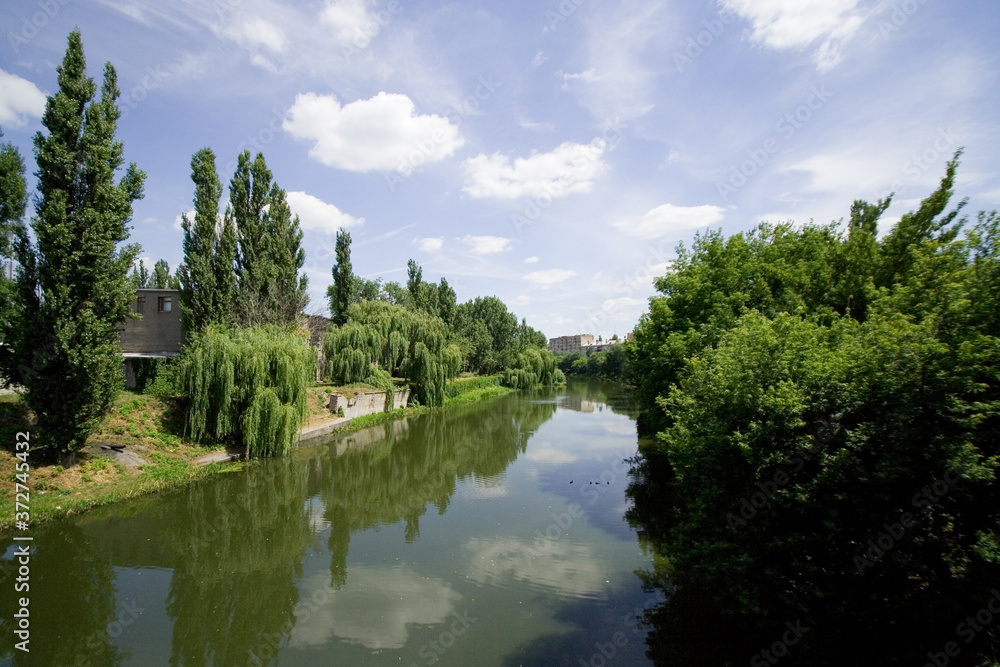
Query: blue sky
{"x": 550, "y": 153}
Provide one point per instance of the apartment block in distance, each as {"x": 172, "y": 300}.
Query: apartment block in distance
{"x": 571, "y": 343}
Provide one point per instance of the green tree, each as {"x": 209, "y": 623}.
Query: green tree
{"x": 13, "y": 204}
{"x": 414, "y": 278}
{"x": 73, "y": 287}
{"x": 268, "y": 247}
{"x": 139, "y": 276}
{"x": 161, "y": 278}
{"x": 203, "y": 300}
{"x": 341, "y": 290}
{"x": 446, "y": 301}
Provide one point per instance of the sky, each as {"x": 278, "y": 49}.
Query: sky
{"x": 551, "y": 153}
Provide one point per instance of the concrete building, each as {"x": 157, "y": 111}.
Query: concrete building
{"x": 157, "y": 333}
{"x": 582, "y": 343}
{"x": 570, "y": 343}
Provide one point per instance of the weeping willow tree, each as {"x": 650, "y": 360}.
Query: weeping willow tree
{"x": 247, "y": 387}
{"x": 381, "y": 338}
{"x": 532, "y": 367}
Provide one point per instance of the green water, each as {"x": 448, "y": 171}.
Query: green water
{"x": 489, "y": 534}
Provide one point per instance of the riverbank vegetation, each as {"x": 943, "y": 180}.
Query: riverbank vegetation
{"x": 827, "y": 414}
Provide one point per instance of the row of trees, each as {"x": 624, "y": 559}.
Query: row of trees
{"x": 60, "y": 314}
{"x": 420, "y": 333}
{"x": 827, "y": 404}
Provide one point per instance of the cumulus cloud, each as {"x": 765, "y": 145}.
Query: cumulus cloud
{"x": 318, "y": 216}
{"x": 530, "y": 260}
{"x": 382, "y": 133}
{"x": 429, "y": 244}
{"x": 549, "y": 277}
{"x": 179, "y": 219}
{"x": 668, "y": 218}
{"x": 486, "y": 245}
{"x": 569, "y": 168}
{"x": 794, "y": 24}
{"x": 346, "y": 18}
{"x": 20, "y": 99}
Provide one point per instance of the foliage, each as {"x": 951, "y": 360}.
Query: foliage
{"x": 72, "y": 288}
{"x": 340, "y": 292}
{"x": 401, "y": 342}
{"x": 808, "y": 387}
{"x": 533, "y": 367}
{"x": 269, "y": 254}
{"x": 611, "y": 363}
{"x": 247, "y": 387}
{"x": 206, "y": 286}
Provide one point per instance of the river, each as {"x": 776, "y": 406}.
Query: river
{"x": 487, "y": 534}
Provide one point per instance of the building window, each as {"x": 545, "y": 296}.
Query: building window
{"x": 164, "y": 304}
{"x": 140, "y": 304}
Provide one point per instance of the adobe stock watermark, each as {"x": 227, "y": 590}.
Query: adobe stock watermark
{"x": 370, "y": 30}
{"x": 534, "y": 206}
{"x": 255, "y": 142}
{"x": 138, "y": 93}
{"x": 268, "y": 649}
{"x": 968, "y": 630}
{"x": 605, "y": 652}
{"x": 782, "y": 647}
{"x": 785, "y": 127}
{"x": 886, "y": 541}
{"x": 30, "y": 26}
{"x": 432, "y": 650}
{"x": 752, "y": 505}
{"x": 657, "y": 258}
{"x": 696, "y": 44}
{"x": 941, "y": 146}
{"x": 563, "y": 11}
{"x": 900, "y": 15}
{"x": 125, "y": 618}
{"x": 424, "y": 149}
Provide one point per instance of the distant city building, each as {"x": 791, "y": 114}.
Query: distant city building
{"x": 582, "y": 343}
{"x": 570, "y": 343}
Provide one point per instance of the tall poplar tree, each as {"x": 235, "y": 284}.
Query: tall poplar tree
{"x": 203, "y": 299}
{"x": 268, "y": 247}
{"x": 343, "y": 280}
{"x": 73, "y": 286}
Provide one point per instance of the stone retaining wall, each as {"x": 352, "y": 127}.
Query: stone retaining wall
{"x": 366, "y": 402}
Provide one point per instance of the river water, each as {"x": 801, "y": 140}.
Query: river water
{"x": 489, "y": 534}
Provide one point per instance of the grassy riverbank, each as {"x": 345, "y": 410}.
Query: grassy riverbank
{"x": 155, "y": 456}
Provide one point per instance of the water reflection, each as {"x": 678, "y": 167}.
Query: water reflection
{"x": 237, "y": 554}
{"x": 890, "y": 617}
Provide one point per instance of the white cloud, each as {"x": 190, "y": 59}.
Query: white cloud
{"x": 375, "y": 608}
{"x": 347, "y": 18}
{"x": 522, "y": 300}
{"x": 668, "y": 218}
{"x": 19, "y": 100}
{"x": 430, "y": 244}
{"x": 795, "y": 24}
{"x": 565, "y": 569}
{"x": 549, "y": 277}
{"x": 382, "y": 133}
{"x": 568, "y": 169}
{"x": 539, "y": 59}
{"x": 256, "y": 32}
{"x": 316, "y": 215}
{"x": 486, "y": 245}
{"x": 612, "y": 305}
{"x": 530, "y": 260}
